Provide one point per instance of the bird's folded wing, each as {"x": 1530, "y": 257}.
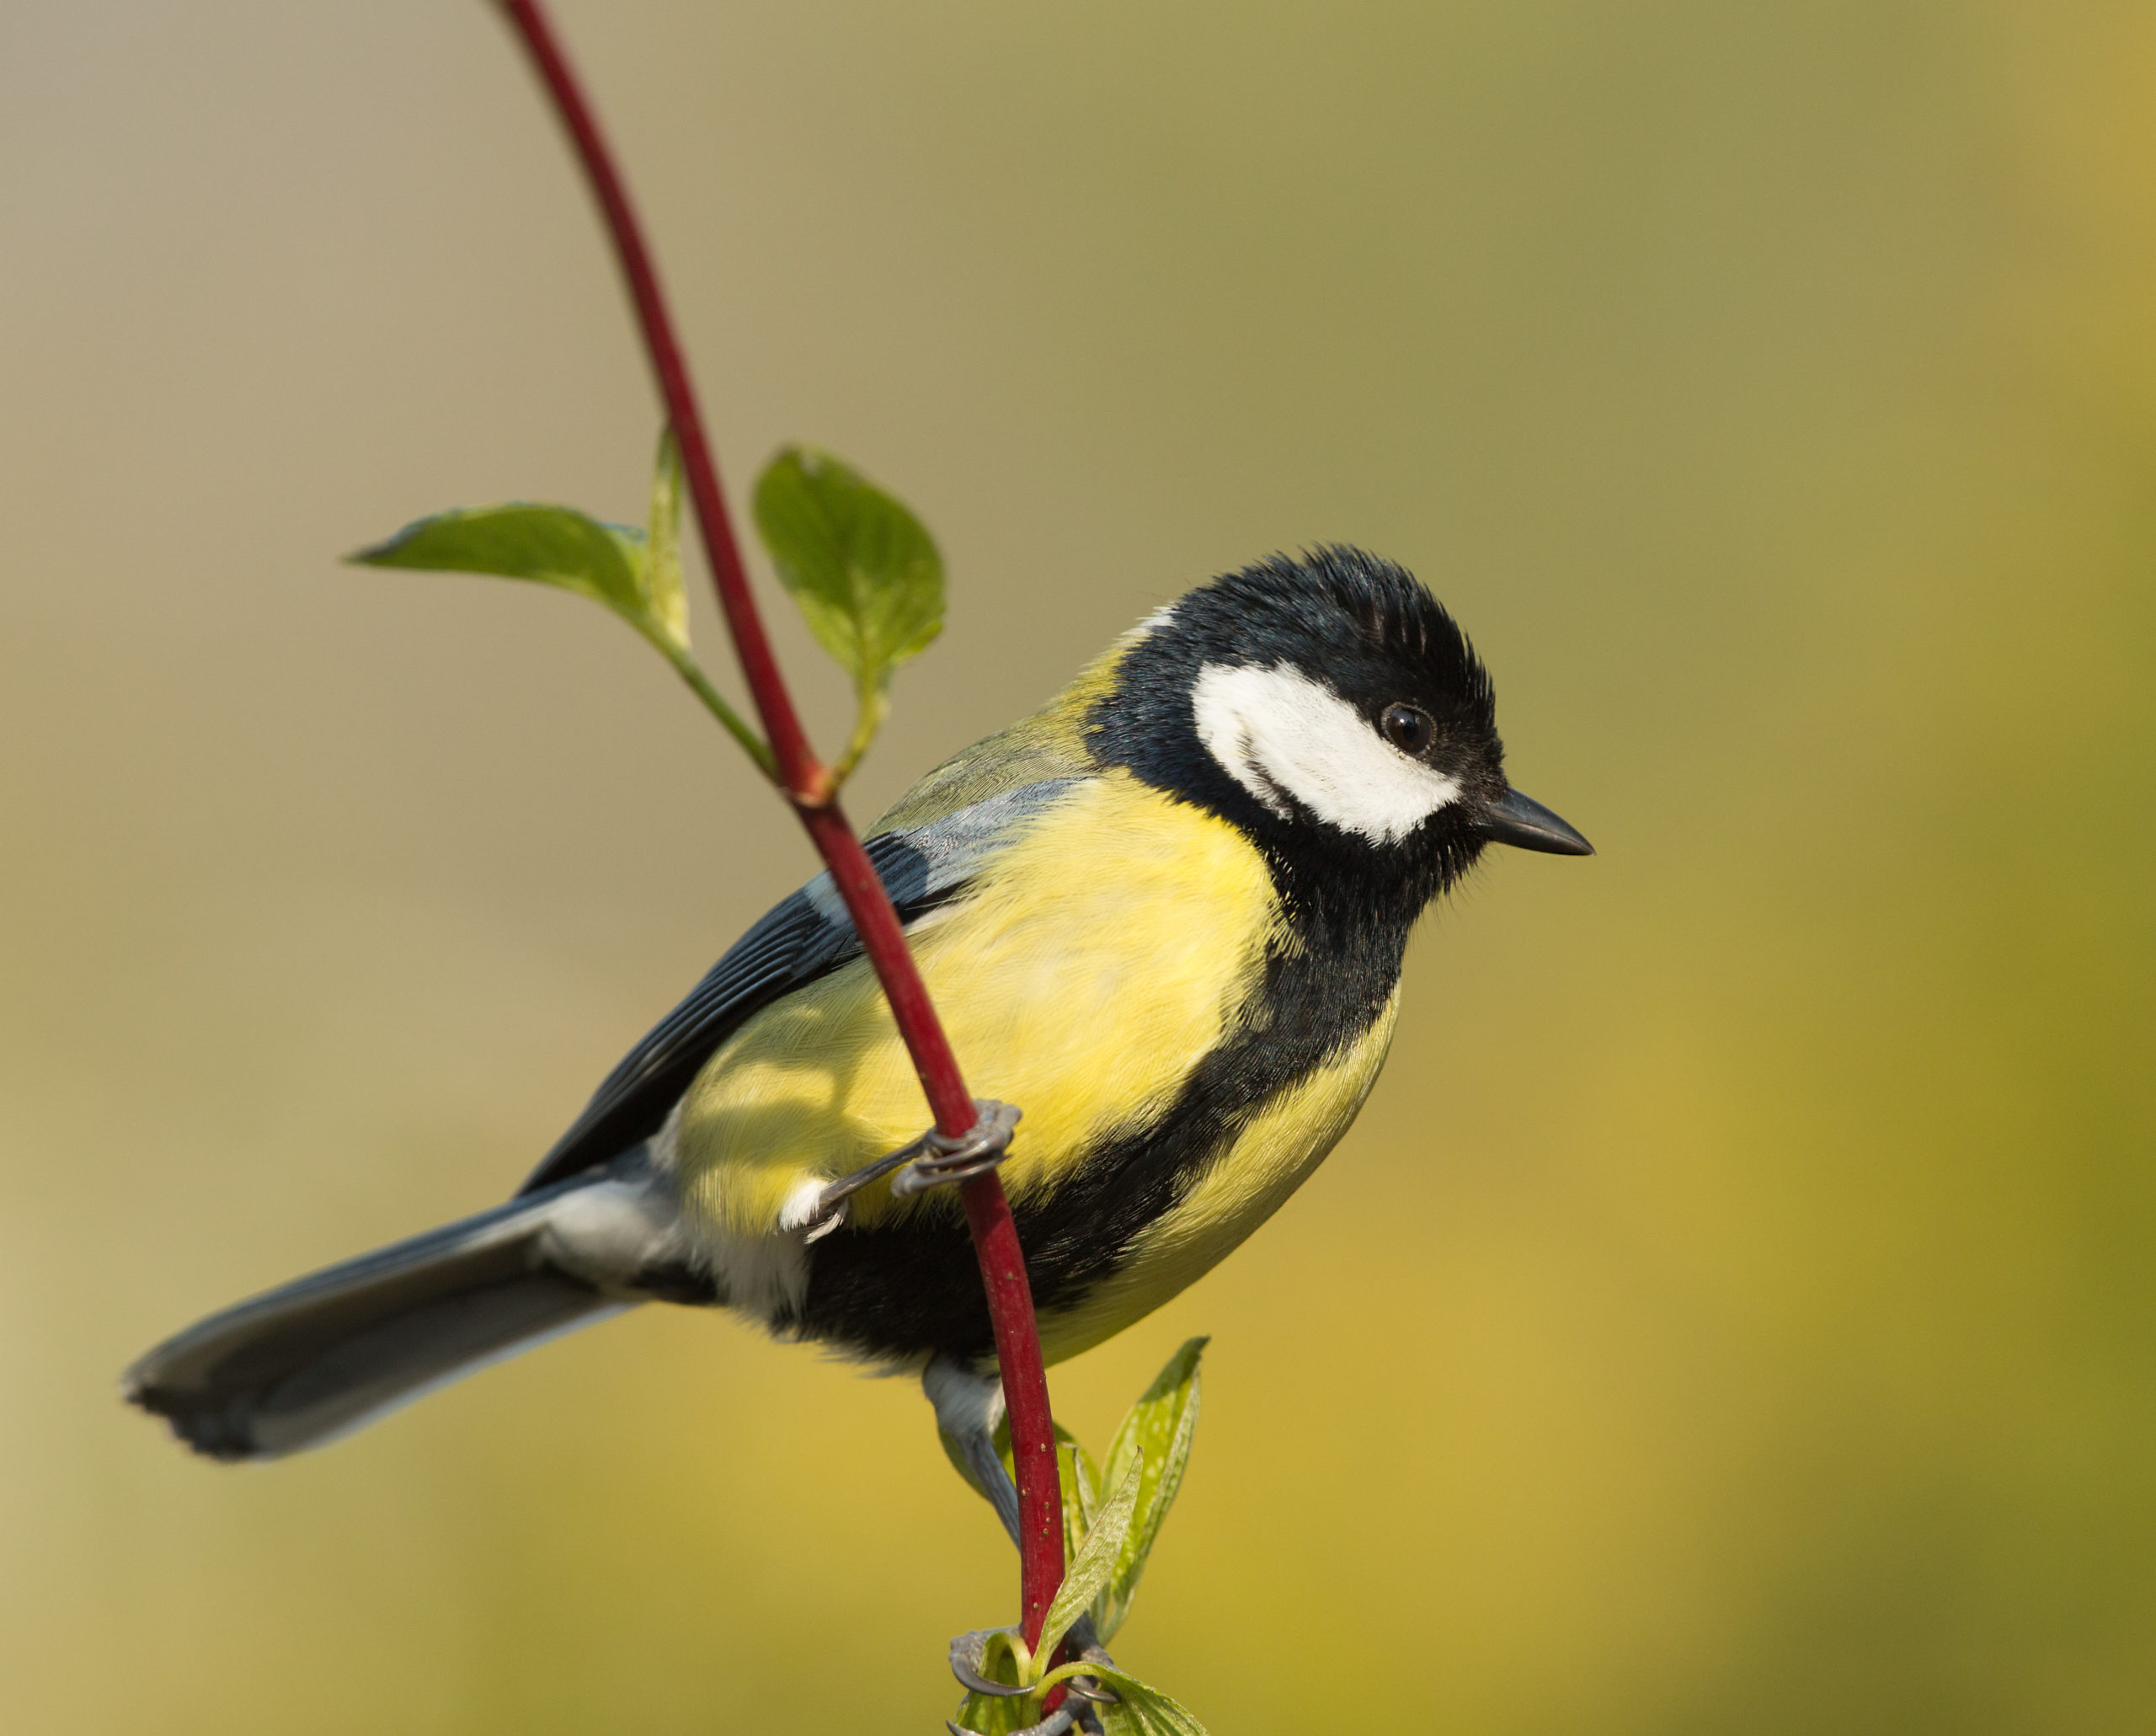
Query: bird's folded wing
{"x": 802, "y": 939}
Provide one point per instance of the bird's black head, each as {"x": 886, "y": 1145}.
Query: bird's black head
{"x": 1332, "y": 710}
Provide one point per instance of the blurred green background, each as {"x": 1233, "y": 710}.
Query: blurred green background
{"x": 1735, "y": 1311}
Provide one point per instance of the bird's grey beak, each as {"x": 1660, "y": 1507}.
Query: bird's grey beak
{"x": 1529, "y": 826}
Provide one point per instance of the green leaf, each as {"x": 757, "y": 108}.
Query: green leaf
{"x": 1081, "y": 1479}
{"x": 1156, "y": 1437}
{"x": 863, "y": 569}
{"x": 638, "y": 576}
{"x": 1139, "y": 1710}
{"x": 549, "y": 545}
{"x": 1091, "y": 1567}
{"x": 983, "y": 1716}
{"x": 665, "y": 596}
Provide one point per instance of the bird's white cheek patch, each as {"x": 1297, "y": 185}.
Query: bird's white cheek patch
{"x": 1279, "y": 734}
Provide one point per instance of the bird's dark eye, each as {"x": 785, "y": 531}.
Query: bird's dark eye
{"x": 1408, "y": 727}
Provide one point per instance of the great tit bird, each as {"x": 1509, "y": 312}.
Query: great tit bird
{"x": 1165, "y": 916}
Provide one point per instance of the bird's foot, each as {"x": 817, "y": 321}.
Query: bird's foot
{"x": 1081, "y": 1694}
{"x": 944, "y": 1160}
{"x": 933, "y": 1161}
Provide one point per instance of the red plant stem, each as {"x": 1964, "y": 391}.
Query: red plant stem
{"x": 988, "y": 1213}
{"x": 806, "y": 783}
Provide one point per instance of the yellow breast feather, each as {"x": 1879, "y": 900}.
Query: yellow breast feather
{"x": 1240, "y": 1188}
{"x": 1097, "y": 959}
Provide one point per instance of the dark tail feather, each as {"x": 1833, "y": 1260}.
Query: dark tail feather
{"x": 325, "y": 1354}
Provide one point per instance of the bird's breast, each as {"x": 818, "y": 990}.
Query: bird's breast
{"x": 1103, "y": 953}
{"x": 1218, "y": 1172}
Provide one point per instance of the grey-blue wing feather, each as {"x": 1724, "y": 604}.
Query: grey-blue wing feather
{"x": 802, "y": 938}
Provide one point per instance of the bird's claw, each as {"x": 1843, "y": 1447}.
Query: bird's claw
{"x": 828, "y": 1211}
{"x": 933, "y": 1161}
{"x": 942, "y": 1159}
{"x": 969, "y": 1662}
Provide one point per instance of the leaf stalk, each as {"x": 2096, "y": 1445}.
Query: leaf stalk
{"x": 698, "y": 683}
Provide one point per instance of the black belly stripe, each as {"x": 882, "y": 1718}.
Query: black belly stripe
{"x": 900, "y": 1290}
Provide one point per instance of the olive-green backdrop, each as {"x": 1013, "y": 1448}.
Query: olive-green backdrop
{"x": 1737, "y": 1309}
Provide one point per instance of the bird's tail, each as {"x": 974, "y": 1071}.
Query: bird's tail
{"x": 325, "y": 1354}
